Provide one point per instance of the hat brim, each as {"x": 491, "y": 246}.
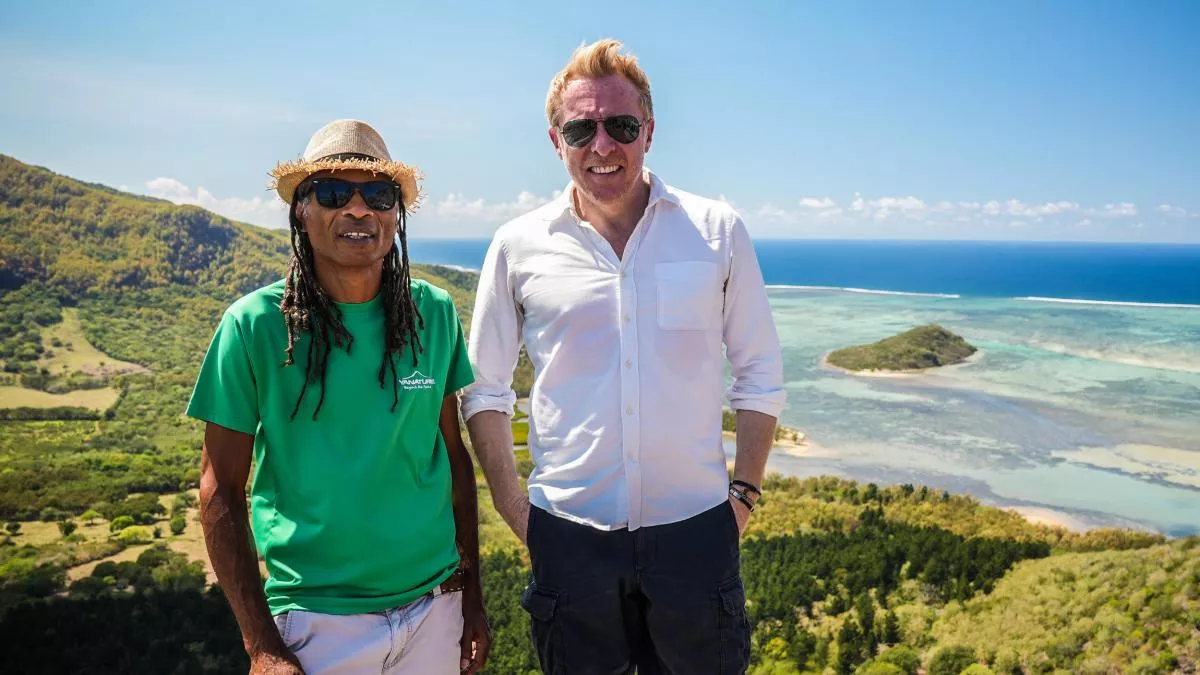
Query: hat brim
{"x": 288, "y": 175}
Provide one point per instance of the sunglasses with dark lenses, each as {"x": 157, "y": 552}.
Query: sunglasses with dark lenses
{"x": 334, "y": 193}
{"x": 623, "y": 129}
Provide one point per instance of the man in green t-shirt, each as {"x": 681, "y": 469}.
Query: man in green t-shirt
{"x": 340, "y": 382}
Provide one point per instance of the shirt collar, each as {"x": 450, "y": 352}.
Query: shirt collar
{"x": 658, "y": 192}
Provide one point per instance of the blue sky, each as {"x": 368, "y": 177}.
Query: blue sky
{"x": 935, "y": 120}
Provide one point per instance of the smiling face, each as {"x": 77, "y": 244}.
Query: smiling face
{"x": 352, "y": 237}
{"x": 605, "y": 172}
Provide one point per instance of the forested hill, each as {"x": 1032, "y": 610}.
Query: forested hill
{"x": 80, "y": 238}
{"x": 139, "y": 269}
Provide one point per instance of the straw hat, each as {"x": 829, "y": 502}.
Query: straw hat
{"x": 347, "y": 144}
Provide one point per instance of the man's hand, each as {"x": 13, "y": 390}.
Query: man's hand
{"x": 477, "y": 634}
{"x": 275, "y": 664}
{"x": 741, "y": 513}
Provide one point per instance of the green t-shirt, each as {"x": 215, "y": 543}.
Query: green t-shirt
{"x": 351, "y": 512}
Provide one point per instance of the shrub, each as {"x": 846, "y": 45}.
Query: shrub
{"x": 951, "y": 660}
{"x": 136, "y": 534}
{"x": 120, "y": 523}
{"x": 904, "y": 658}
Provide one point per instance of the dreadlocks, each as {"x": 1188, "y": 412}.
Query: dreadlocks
{"x": 306, "y": 308}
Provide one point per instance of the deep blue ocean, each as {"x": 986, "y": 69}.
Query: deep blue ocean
{"x": 1083, "y": 403}
{"x": 1144, "y": 273}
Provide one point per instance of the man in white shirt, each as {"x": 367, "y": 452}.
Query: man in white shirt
{"x": 623, "y": 291}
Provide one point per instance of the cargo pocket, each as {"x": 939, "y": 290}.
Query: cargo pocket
{"x": 734, "y": 627}
{"x": 542, "y": 606}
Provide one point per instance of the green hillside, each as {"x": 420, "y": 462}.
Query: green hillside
{"x": 922, "y": 347}
{"x": 108, "y": 294}
{"x": 1132, "y": 611}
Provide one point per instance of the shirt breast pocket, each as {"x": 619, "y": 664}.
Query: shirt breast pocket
{"x": 689, "y": 296}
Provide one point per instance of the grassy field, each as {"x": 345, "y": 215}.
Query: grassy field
{"x": 21, "y": 397}
{"x": 520, "y": 433}
{"x": 77, "y": 354}
{"x": 190, "y": 543}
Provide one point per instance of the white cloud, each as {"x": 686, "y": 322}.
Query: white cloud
{"x": 265, "y": 212}
{"x": 899, "y": 203}
{"x": 769, "y": 211}
{"x": 1176, "y": 211}
{"x": 1124, "y": 209}
{"x": 457, "y": 206}
{"x": 456, "y": 215}
{"x": 912, "y": 216}
{"x": 817, "y": 203}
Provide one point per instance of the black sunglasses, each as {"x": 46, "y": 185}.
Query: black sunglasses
{"x": 623, "y": 129}
{"x": 334, "y": 193}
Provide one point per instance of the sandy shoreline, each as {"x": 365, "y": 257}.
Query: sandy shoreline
{"x": 1041, "y": 515}
{"x": 803, "y": 448}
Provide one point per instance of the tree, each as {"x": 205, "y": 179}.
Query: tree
{"x": 182, "y": 502}
{"x": 135, "y": 534}
{"x": 891, "y": 628}
{"x": 120, "y": 523}
{"x": 849, "y": 648}
{"x": 880, "y": 668}
{"x": 90, "y": 516}
{"x": 66, "y": 527}
{"x": 951, "y": 660}
{"x": 178, "y": 523}
{"x": 13, "y": 528}
{"x": 105, "y": 509}
{"x": 177, "y": 574}
{"x": 977, "y": 669}
{"x": 871, "y": 494}
{"x": 154, "y": 556}
{"x": 865, "y": 608}
{"x": 51, "y": 514}
{"x": 902, "y": 657}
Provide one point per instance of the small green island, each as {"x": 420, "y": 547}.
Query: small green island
{"x": 929, "y": 346}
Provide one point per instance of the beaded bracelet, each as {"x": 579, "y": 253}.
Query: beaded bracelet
{"x": 739, "y": 495}
{"x": 748, "y": 486}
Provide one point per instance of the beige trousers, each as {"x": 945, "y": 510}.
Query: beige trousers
{"x": 420, "y": 638}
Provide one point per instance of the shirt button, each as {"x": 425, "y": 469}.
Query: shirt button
{"x": 628, "y": 410}
{"x": 628, "y": 363}
{"x": 625, "y": 318}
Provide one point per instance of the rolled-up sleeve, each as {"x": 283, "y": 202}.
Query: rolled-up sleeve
{"x": 495, "y": 341}
{"x": 751, "y": 341}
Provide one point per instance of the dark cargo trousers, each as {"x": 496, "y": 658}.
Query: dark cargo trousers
{"x": 662, "y": 599}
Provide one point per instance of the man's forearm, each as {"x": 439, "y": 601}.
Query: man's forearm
{"x": 491, "y": 437}
{"x": 235, "y": 562}
{"x": 755, "y": 436}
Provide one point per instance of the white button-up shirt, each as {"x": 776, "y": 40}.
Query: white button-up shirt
{"x": 625, "y": 410}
